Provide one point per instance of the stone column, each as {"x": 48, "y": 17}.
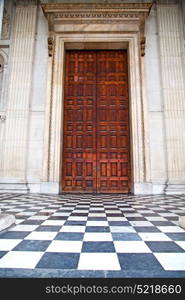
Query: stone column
{"x": 1, "y": 15}
{"x": 170, "y": 28}
{"x": 17, "y": 118}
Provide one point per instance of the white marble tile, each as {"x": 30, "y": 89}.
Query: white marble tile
{"x": 132, "y": 215}
{"x": 79, "y": 211}
{"x": 141, "y": 223}
{"x": 18, "y": 221}
{"x": 153, "y": 236}
{"x": 61, "y": 214}
{"x": 126, "y": 209}
{"x": 16, "y": 210}
{"x": 72, "y": 228}
{"x": 98, "y": 236}
{"x": 131, "y": 247}
{"x": 76, "y": 218}
{"x": 38, "y": 217}
{"x": 95, "y": 214}
{"x": 53, "y": 222}
{"x": 171, "y": 261}
{"x": 167, "y": 214}
{"x": 41, "y": 235}
{"x": 96, "y": 208}
{"x": 170, "y": 229}
{"x": 27, "y": 213}
{"x": 8, "y": 244}
{"x": 181, "y": 244}
{"x": 122, "y": 229}
{"x": 97, "y": 223}
{"x": 22, "y": 227}
{"x": 155, "y": 218}
{"x": 144, "y": 211}
{"x": 65, "y": 246}
{"x": 98, "y": 261}
{"x": 20, "y": 259}
{"x": 116, "y": 219}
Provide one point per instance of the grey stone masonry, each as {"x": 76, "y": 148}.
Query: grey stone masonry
{"x": 6, "y": 221}
{"x": 182, "y": 221}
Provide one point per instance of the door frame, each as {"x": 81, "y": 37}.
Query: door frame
{"x": 53, "y": 142}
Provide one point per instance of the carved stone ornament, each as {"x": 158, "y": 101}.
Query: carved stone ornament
{"x": 96, "y": 13}
{"x": 143, "y": 42}
{"x": 83, "y": 12}
{"x": 5, "y": 26}
{"x": 50, "y": 46}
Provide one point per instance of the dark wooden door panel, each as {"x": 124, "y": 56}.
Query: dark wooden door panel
{"x": 79, "y": 151}
{"x": 96, "y": 155}
{"x": 113, "y": 168}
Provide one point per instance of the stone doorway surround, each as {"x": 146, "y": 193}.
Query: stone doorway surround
{"x": 96, "y": 26}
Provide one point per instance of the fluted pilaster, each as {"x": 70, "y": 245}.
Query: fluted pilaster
{"x": 17, "y": 121}
{"x": 170, "y": 37}
{"x": 1, "y": 15}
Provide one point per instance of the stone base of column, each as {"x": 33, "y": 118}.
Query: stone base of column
{"x": 182, "y": 221}
{"x": 21, "y": 188}
{"x": 148, "y": 188}
{"x": 6, "y": 221}
{"x": 173, "y": 189}
{"x": 50, "y": 188}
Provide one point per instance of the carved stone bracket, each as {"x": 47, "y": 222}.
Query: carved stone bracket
{"x": 2, "y": 117}
{"x": 142, "y": 43}
{"x": 50, "y": 46}
{"x": 5, "y": 26}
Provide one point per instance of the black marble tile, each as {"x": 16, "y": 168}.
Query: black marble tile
{"x": 164, "y": 246}
{"x": 126, "y": 236}
{"x": 98, "y": 247}
{"x": 32, "y": 245}
{"x": 139, "y": 261}
{"x": 97, "y": 229}
{"x": 69, "y": 236}
{"x": 55, "y": 260}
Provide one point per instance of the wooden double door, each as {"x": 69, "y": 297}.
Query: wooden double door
{"x": 96, "y": 156}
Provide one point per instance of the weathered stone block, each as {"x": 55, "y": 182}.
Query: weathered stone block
{"x": 6, "y": 221}
{"x": 182, "y": 221}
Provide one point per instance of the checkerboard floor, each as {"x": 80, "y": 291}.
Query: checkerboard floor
{"x": 119, "y": 234}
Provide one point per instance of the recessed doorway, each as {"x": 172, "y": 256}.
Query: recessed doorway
{"x": 96, "y": 142}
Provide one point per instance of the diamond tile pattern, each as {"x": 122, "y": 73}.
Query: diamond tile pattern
{"x": 93, "y": 232}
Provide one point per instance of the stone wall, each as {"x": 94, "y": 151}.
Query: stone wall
{"x": 23, "y": 155}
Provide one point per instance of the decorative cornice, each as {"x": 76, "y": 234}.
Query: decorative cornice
{"x": 53, "y": 7}
{"x": 96, "y": 13}
{"x": 107, "y": 12}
